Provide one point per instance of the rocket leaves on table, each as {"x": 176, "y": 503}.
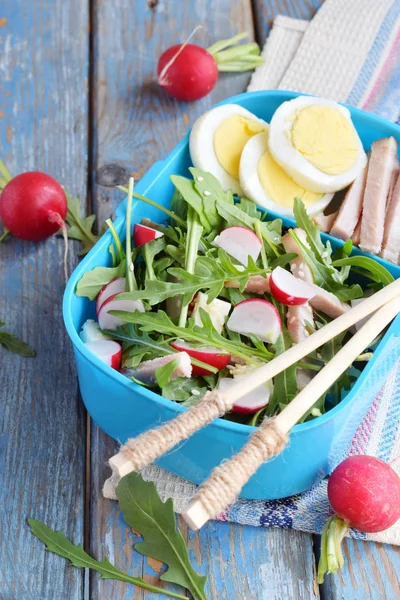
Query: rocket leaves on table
{"x": 144, "y": 511}
{"x": 79, "y": 227}
{"x": 57, "y": 543}
{"x": 14, "y": 344}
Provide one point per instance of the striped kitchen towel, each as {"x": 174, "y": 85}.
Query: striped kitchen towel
{"x": 348, "y": 52}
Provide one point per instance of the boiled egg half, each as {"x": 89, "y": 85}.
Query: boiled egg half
{"x": 267, "y": 184}
{"x": 217, "y": 140}
{"x": 315, "y": 142}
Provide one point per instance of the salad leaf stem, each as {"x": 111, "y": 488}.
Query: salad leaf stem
{"x": 264, "y": 259}
{"x": 5, "y": 172}
{"x": 194, "y": 232}
{"x": 117, "y": 241}
{"x": 130, "y": 274}
{"x": 171, "y": 214}
{"x": 331, "y": 559}
{"x": 57, "y": 543}
{"x": 222, "y": 44}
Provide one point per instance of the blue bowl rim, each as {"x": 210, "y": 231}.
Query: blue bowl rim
{"x": 106, "y": 239}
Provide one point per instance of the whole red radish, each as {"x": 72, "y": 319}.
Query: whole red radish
{"x": 188, "y": 72}
{"x": 33, "y": 206}
{"x": 364, "y": 492}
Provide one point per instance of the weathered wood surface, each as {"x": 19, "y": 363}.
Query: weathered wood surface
{"x": 43, "y": 125}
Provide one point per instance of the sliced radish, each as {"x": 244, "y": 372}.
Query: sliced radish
{"x": 240, "y": 243}
{"x": 116, "y": 286}
{"x": 288, "y": 289}
{"x": 91, "y": 332}
{"x": 209, "y": 355}
{"x": 252, "y": 402}
{"x": 143, "y": 234}
{"x": 108, "y": 351}
{"x": 257, "y": 317}
{"x": 107, "y": 321}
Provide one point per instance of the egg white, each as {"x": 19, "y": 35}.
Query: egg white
{"x": 294, "y": 163}
{"x": 201, "y": 143}
{"x": 251, "y": 184}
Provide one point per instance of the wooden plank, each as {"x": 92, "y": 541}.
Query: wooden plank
{"x": 136, "y": 124}
{"x": 265, "y": 12}
{"x": 371, "y": 572}
{"x": 43, "y": 101}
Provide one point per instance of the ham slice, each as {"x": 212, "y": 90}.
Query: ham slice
{"x": 325, "y": 222}
{"x": 382, "y": 164}
{"x": 350, "y": 211}
{"x": 355, "y": 238}
{"x": 257, "y": 284}
{"x": 298, "y": 266}
{"x": 297, "y": 318}
{"x": 328, "y": 303}
{"x": 391, "y": 237}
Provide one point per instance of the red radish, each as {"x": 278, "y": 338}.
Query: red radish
{"x": 253, "y": 401}
{"x": 211, "y": 356}
{"x": 107, "y": 321}
{"x": 143, "y": 234}
{"x": 188, "y": 72}
{"x": 257, "y": 317}
{"x": 240, "y": 243}
{"x": 91, "y": 332}
{"x": 33, "y": 206}
{"x": 116, "y": 286}
{"x": 288, "y": 289}
{"x": 108, "y": 351}
{"x": 364, "y": 492}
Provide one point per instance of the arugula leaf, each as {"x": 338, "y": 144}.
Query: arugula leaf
{"x": 14, "y": 344}
{"x": 155, "y": 520}
{"x": 163, "y": 374}
{"x": 194, "y": 233}
{"x": 80, "y": 228}
{"x": 189, "y": 193}
{"x": 92, "y": 281}
{"x": 138, "y": 345}
{"x": 313, "y": 232}
{"x": 371, "y": 268}
{"x": 57, "y": 543}
{"x": 204, "y": 336}
{"x": 182, "y": 389}
{"x": 210, "y": 274}
{"x": 148, "y": 252}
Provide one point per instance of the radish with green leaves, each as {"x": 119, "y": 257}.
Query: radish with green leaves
{"x": 188, "y": 72}
{"x": 364, "y": 492}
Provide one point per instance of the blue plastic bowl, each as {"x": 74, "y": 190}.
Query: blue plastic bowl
{"x": 123, "y": 409}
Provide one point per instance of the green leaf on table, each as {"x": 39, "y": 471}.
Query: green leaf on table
{"x": 92, "y": 281}
{"x": 145, "y": 512}
{"x": 14, "y": 344}
{"x": 80, "y": 228}
{"x": 57, "y": 543}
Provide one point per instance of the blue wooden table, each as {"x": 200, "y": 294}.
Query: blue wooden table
{"x": 77, "y": 92}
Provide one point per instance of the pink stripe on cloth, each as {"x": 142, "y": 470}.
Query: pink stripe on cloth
{"x": 363, "y": 434}
{"x": 382, "y": 75}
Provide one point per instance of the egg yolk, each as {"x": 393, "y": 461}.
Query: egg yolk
{"x": 230, "y": 138}
{"x": 279, "y": 187}
{"x": 326, "y": 138}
